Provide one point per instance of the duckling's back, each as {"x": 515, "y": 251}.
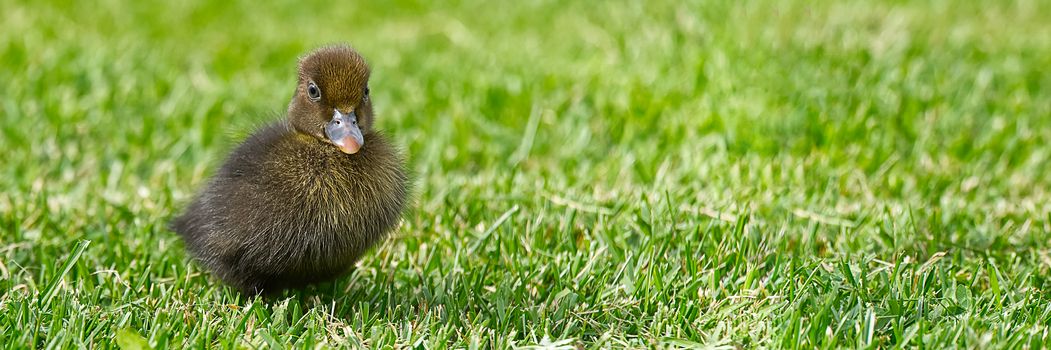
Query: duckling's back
{"x": 286, "y": 210}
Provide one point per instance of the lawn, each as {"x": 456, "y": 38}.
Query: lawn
{"x": 588, "y": 174}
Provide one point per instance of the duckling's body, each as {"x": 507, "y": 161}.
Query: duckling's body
{"x": 290, "y": 208}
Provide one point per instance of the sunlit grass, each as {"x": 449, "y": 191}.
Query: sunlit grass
{"x": 597, "y": 174}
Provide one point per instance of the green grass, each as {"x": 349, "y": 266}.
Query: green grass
{"x": 782, "y": 174}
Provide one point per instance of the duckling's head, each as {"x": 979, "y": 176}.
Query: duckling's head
{"x": 331, "y": 101}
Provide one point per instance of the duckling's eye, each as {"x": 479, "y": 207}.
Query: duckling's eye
{"x": 366, "y": 98}
{"x": 313, "y": 92}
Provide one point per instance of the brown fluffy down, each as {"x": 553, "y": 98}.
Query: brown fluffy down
{"x": 287, "y": 208}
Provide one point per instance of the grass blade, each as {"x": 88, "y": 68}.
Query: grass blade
{"x": 71, "y": 260}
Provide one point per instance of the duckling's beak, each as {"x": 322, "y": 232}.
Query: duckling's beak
{"x": 343, "y": 132}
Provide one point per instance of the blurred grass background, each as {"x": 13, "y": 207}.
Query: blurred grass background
{"x": 589, "y": 174}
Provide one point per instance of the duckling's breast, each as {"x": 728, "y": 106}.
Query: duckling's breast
{"x": 307, "y": 211}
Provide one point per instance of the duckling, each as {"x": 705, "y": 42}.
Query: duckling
{"x": 300, "y": 200}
